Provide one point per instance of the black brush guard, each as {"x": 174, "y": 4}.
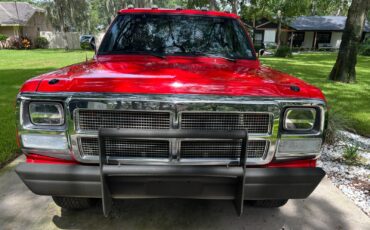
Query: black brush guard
{"x": 109, "y": 170}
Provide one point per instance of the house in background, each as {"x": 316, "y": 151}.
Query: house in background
{"x": 310, "y": 32}
{"x": 265, "y": 32}
{"x": 22, "y": 19}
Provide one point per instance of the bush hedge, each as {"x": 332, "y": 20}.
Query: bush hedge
{"x": 283, "y": 51}
{"x": 3, "y": 38}
{"x": 365, "y": 50}
{"x": 41, "y": 43}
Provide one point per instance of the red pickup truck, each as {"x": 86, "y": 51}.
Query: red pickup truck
{"x": 174, "y": 104}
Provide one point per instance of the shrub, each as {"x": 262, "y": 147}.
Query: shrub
{"x": 335, "y": 123}
{"x": 283, "y": 51}
{"x": 14, "y": 42}
{"x": 271, "y": 45}
{"x": 365, "y": 49}
{"x": 3, "y": 38}
{"x": 26, "y": 43}
{"x": 351, "y": 154}
{"x": 41, "y": 43}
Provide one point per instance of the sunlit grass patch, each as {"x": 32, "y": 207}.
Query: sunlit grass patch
{"x": 16, "y": 66}
{"x": 352, "y": 101}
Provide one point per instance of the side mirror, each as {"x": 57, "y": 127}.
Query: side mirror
{"x": 92, "y": 44}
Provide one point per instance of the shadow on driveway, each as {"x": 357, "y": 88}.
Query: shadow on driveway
{"x": 326, "y": 208}
{"x": 203, "y": 214}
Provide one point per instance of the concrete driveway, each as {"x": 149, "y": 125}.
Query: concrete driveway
{"x": 326, "y": 208}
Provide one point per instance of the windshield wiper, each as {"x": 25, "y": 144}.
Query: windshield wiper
{"x": 221, "y": 56}
{"x": 214, "y": 55}
{"x": 154, "y": 54}
{"x": 158, "y": 55}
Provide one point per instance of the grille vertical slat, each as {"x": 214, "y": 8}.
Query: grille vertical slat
{"x": 253, "y": 122}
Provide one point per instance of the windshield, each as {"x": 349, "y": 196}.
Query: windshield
{"x": 177, "y": 35}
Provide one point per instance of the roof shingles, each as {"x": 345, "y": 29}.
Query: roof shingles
{"x": 327, "y": 23}
{"x": 10, "y": 16}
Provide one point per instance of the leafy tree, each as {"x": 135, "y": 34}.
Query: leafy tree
{"x": 194, "y": 4}
{"x": 67, "y": 15}
{"x": 344, "y": 68}
{"x": 102, "y": 12}
{"x": 329, "y": 7}
{"x": 256, "y": 10}
{"x": 278, "y": 11}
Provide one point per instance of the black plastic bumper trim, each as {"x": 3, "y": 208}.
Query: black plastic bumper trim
{"x": 84, "y": 181}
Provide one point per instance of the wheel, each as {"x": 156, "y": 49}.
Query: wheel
{"x": 74, "y": 203}
{"x": 268, "y": 203}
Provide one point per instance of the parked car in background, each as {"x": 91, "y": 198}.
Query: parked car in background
{"x": 85, "y": 42}
{"x": 174, "y": 104}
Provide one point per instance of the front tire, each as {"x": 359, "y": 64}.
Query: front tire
{"x": 74, "y": 203}
{"x": 268, "y": 203}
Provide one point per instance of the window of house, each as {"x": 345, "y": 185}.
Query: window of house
{"x": 298, "y": 39}
{"x": 258, "y": 37}
{"x": 323, "y": 37}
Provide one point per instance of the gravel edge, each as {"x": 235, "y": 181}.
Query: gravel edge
{"x": 352, "y": 180}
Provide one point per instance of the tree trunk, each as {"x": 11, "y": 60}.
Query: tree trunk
{"x": 234, "y": 6}
{"x": 63, "y": 28}
{"x": 64, "y": 33}
{"x": 291, "y": 41}
{"x": 212, "y": 4}
{"x": 139, "y": 3}
{"x": 344, "y": 68}
{"x": 278, "y": 33}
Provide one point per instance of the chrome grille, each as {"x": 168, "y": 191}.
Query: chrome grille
{"x": 221, "y": 149}
{"x": 89, "y": 146}
{"x": 92, "y": 120}
{"x": 253, "y": 122}
{"x": 126, "y": 148}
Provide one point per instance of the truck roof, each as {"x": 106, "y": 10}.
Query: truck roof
{"x": 178, "y": 11}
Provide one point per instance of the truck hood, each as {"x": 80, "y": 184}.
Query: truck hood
{"x": 173, "y": 75}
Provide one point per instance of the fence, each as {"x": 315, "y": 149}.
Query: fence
{"x": 57, "y": 41}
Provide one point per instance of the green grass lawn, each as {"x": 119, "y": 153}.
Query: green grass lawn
{"x": 350, "y": 102}
{"x": 16, "y": 66}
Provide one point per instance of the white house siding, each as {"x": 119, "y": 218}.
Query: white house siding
{"x": 336, "y": 39}
{"x": 308, "y": 40}
{"x": 270, "y": 35}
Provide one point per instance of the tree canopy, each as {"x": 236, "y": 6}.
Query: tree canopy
{"x": 92, "y": 15}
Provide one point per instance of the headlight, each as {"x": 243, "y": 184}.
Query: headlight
{"x": 299, "y": 119}
{"x": 46, "y": 113}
